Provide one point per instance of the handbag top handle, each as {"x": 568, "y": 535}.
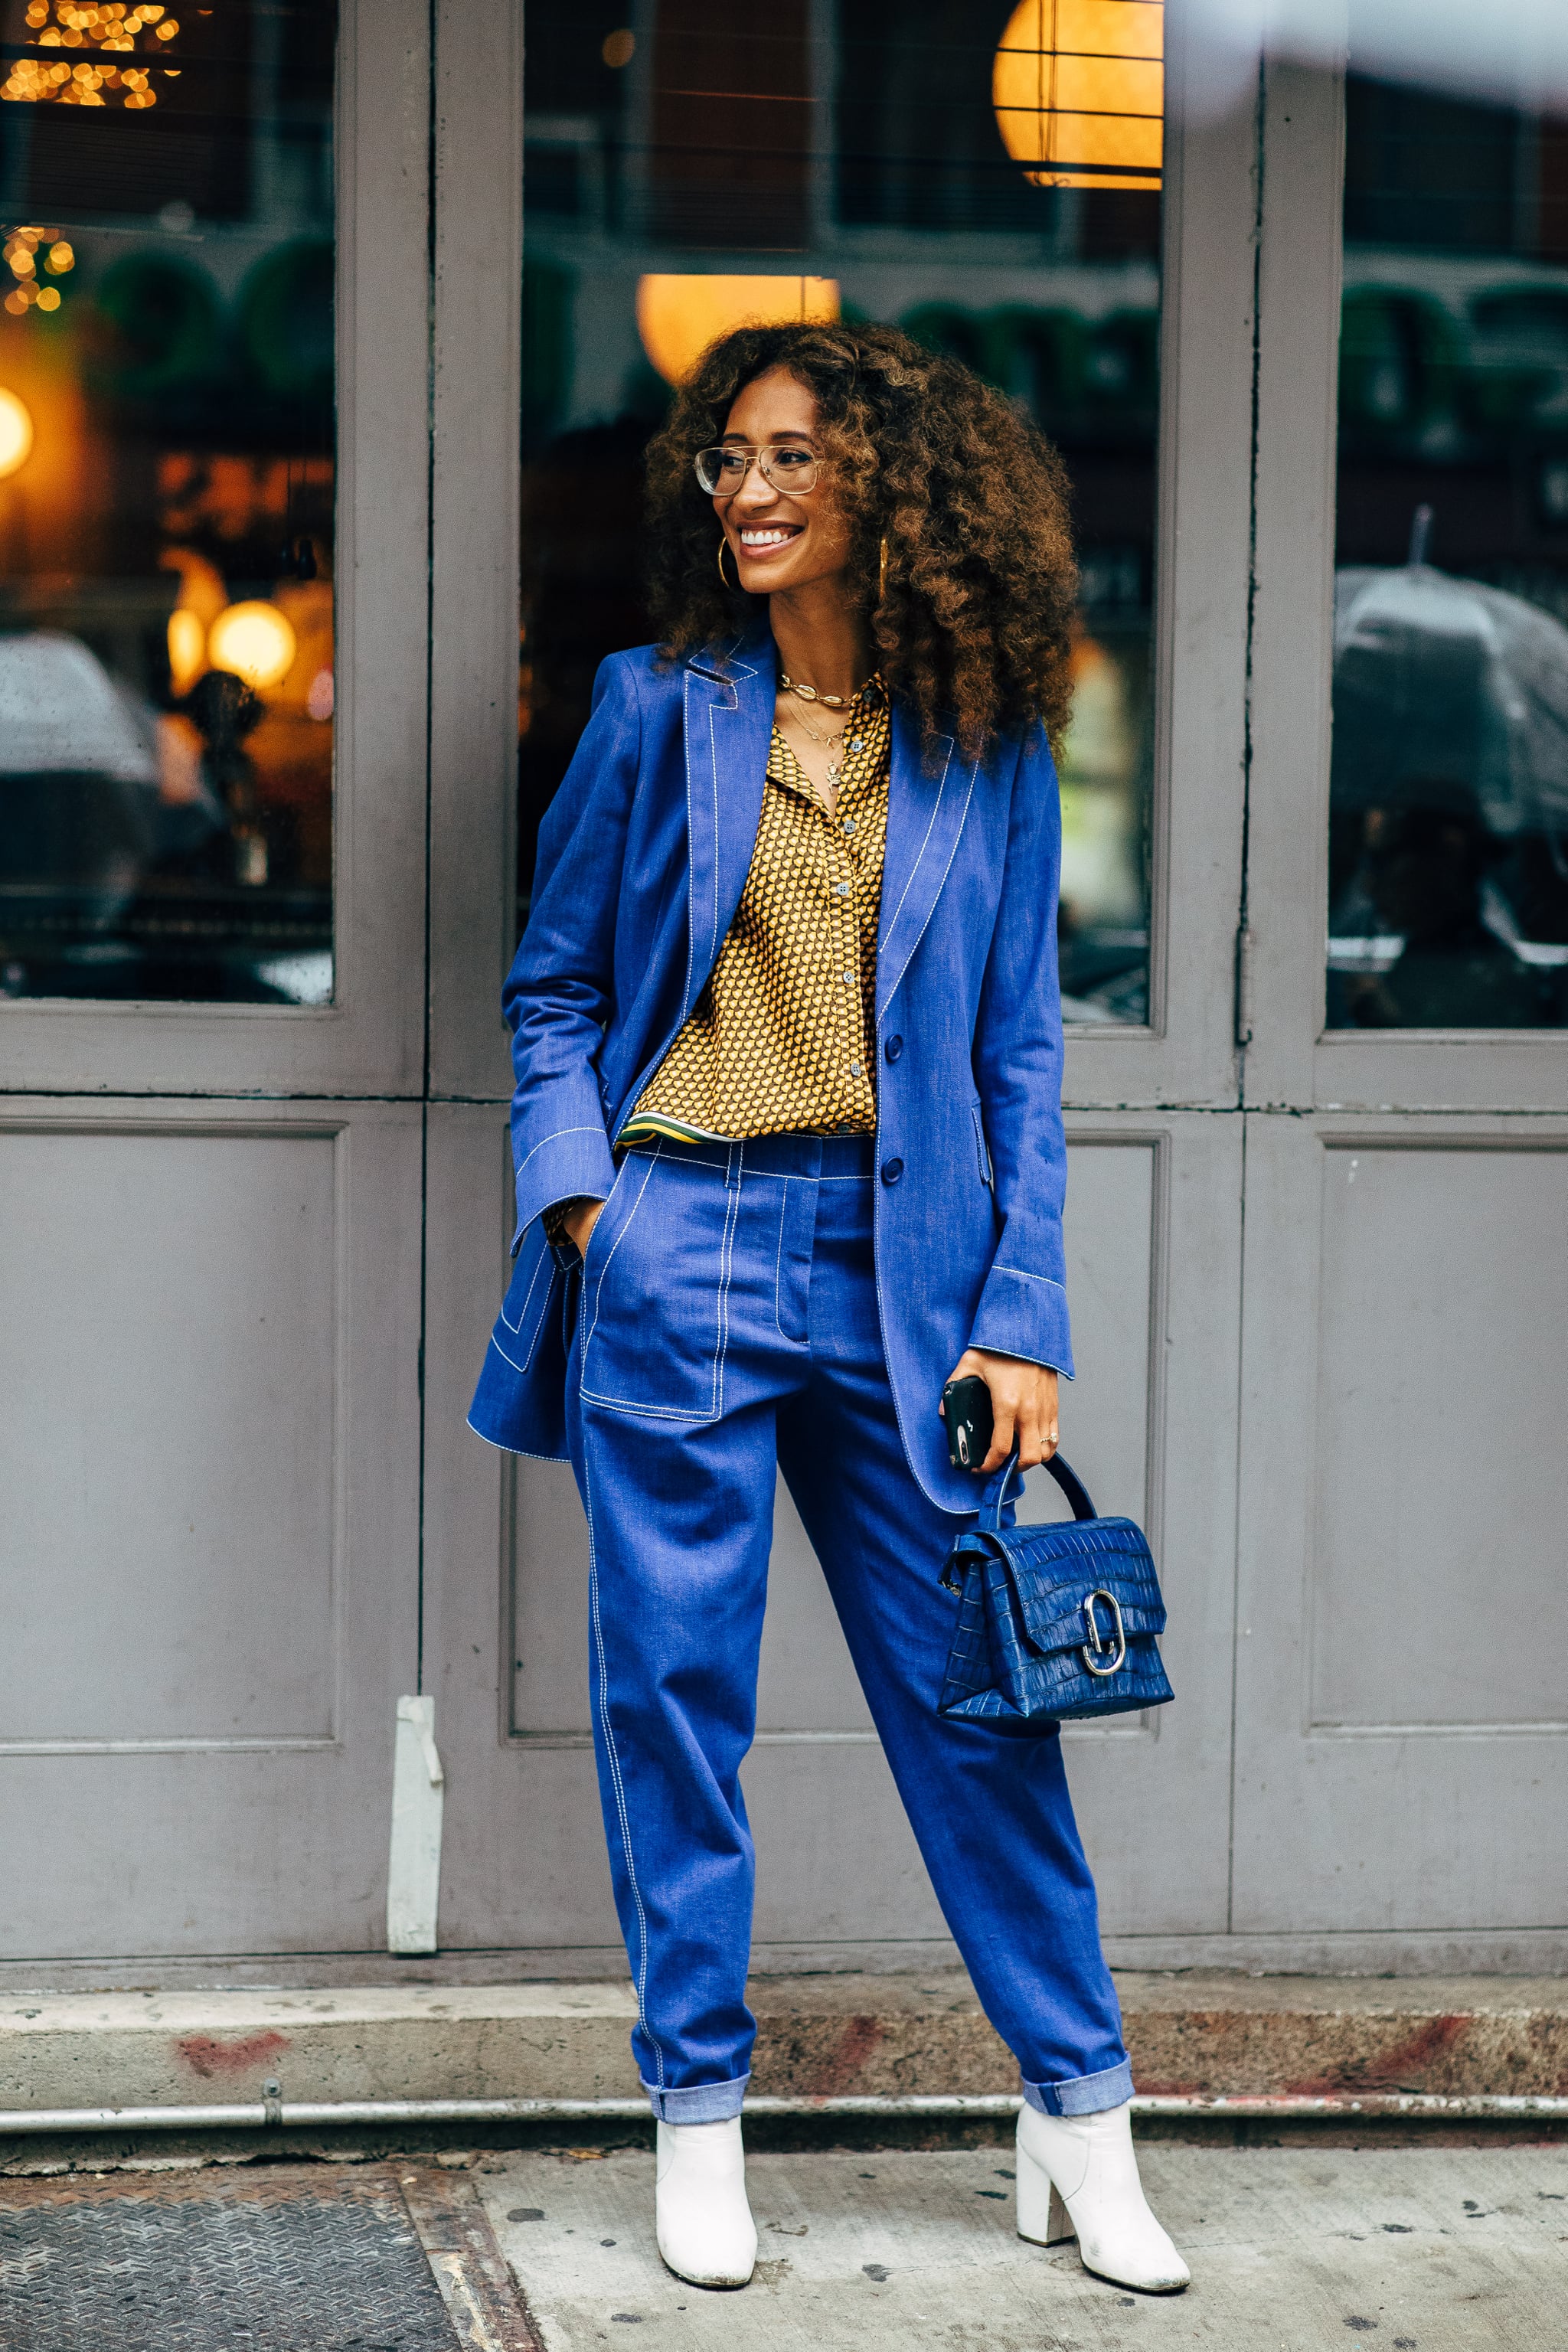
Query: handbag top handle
{"x": 1066, "y": 1478}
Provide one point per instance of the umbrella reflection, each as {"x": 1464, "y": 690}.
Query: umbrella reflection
{"x": 94, "y": 786}
{"x": 1449, "y": 886}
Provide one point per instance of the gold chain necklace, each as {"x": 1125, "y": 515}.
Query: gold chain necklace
{"x": 830, "y": 743}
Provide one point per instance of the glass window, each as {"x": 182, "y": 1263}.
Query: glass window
{"x": 988, "y": 181}
{"x": 166, "y": 471}
{"x": 1448, "y": 825}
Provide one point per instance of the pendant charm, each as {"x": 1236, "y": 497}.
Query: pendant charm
{"x": 833, "y": 776}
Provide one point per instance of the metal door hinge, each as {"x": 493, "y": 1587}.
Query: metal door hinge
{"x": 1246, "y": 940}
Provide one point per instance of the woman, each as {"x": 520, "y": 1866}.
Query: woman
{"x": 789, "y": 1155}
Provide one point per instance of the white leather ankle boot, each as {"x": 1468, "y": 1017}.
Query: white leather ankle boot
{"x": 706, "y": 2232}
{"x": 1078, "y": 2176}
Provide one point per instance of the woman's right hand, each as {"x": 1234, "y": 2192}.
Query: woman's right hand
{"x": 580, "y": 1221}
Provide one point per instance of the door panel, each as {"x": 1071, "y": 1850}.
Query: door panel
{"x": 179, "y": 1290}
{"x": 1151, "y": 1425}
{"x": 1442, "y": 1476}
{"x": 208, "y": 1437}
{"x": 1402, "y": 1751}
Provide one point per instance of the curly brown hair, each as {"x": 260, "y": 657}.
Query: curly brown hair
{"x": 973, "y": 629}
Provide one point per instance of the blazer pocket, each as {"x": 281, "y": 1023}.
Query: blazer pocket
{"x": 980, "y": 1144}
{"x": 529, "y": 1293}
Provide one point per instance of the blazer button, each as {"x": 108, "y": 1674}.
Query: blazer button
{"x": 893, "y": 1048}
{"x": 891, "y": 1170}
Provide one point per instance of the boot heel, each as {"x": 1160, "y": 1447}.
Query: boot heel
{"x": 1043, "y": 2217}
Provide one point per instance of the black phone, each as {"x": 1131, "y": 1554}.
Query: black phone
{"x": 967, "y": 1407}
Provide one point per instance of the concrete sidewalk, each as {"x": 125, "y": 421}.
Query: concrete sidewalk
{"x": 1190, "y": 2034}
{"x": 1417, "y": 2250}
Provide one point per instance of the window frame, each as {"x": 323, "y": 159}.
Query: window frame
{"x": 1292, "y": 1058}
{"x": 369, "y": 1040}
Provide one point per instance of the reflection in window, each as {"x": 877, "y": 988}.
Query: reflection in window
{"x": 1448, "y": 824}
{"x": 948, "y": 171}
{"x": 166, "y": 486}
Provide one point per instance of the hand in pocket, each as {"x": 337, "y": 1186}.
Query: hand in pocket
{"x": 580, "y": 1221}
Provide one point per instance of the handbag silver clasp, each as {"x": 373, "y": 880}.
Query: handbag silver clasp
{"x": 1094, "y": 1648}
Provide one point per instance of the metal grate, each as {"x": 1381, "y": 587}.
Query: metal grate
{"x": 286, "y": 2260}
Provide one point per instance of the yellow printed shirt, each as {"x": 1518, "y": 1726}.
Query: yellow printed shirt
{"x": 782, "y": 1037}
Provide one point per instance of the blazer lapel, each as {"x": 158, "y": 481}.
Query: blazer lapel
{"x": 729, "y": 718}
{"x": 925, "y": 816}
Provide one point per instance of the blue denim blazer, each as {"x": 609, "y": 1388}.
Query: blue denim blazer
{"x": 642, "y": 859}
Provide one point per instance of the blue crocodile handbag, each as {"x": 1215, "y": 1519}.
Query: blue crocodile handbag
{"x": 1057, "y": 1622}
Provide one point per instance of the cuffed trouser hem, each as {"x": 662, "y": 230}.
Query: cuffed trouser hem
{"x": 704, "y": 2103}
{"x": 1084, "y": 2094}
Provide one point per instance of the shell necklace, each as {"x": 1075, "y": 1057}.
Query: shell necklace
{"x": 830, "y": 743}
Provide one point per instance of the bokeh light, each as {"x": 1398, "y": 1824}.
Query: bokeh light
{"x": 255, "y": 641}
{"x": 187, "y": 649}
{"x": 15, "y": 432}
{"x": 679, "y": 317}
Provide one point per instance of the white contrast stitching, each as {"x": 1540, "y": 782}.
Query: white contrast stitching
{"x": 714, "y": 754}
{"x": 726, "y": 1259}
{"x": 614, "y": 1245}
{"x": 778, "y": 1262}
{"x": 543, "y": 1259}
{"x": 495, "y": 1444}
{"x": 1024, "y": 1276}
{"x": 543, "y": 1305}
{"x": 946, "y": 870}
{"x": 687, "y": 1160}
{"x": 614, "y": 1755}
{"x": 556, "y": 1137}
{"x": 690, "y": 845}
{"x": 599, "y": 1396}
{"x": 501, "y": 1352}
{"x": 936, "y": 809}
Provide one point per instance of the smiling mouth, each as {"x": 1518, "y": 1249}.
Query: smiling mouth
{"x": 766, "y": 539}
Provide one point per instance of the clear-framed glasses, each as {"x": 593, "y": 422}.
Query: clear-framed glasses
{"x": 790, "y": 469}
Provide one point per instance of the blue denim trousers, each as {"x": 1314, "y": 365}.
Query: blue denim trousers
{"x": 728, "y": 1322}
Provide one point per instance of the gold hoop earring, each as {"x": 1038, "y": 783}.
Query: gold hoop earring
{"x": 723, "y": 543}
{"x": 882, "y": 582}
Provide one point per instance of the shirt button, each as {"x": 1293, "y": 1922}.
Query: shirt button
{"x": 848, "y": 976}
{"x": 893, "y": 1048}
{"x": 841, "y": 890}
{"x": 854, "y": 1069}
{"x": 848, "y": 824}
{"x": 891, "y": 1170}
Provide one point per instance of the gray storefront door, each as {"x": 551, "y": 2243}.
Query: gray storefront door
{"x": 1154, "y": 1216}
{"x": 212, "y": 1024}
{"x": 255, "y": 1194}
{"x": 1401, "y": 1743}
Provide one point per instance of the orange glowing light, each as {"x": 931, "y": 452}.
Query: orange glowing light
{"x": 1079, "y": 86}
{"x": 255, "y": 641}
{"x": 15, "y": 432}
{"x": 679, "y": 317}
{"x": 187, "y": 649}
